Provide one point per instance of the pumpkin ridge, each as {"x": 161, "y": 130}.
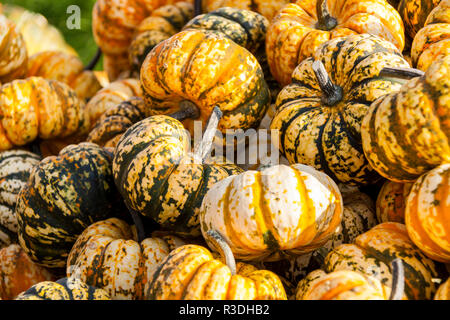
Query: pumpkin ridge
{"x": 186, "y": 68}
{"x": 322, "y": 158}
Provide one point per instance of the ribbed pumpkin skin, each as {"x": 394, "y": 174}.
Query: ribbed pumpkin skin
{"x": 433, "y": 39}
{"x": 391, "y": 202}
{"x": 414, "y": 13}
{"x": 406, "y": 133}
{"x": 267, "y": 8}
{"x": 339, "y": 285}
{"x": 15, "y": 169}
{"x": 116, "y": 120}
{"x": 63, "y": 289}
{"x": 428, "y": 212}
{"x": 107, "y": 256}
{"x": 163, "y": 23}
{"x": 64, "y": 195}
{"x": 358, "y": 217}
{"x": 175, "y": 70}
{"x": 13, "y": 56}
{"x": 443, "y": 292}
{"x": 280, "y": 210}
{"x": 111, "y": 96}
{"x": 57, "y": 65}
{"x": 191, "y": 273}
{"x": 293, "y": 36}
{"x": 18, "y": 272}
{"x": 36, "y": 107}
{"x": 329, "y": 137}
{"x": 373, "y": 252}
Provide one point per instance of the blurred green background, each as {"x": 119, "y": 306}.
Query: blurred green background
{"x": 55, "y": 12}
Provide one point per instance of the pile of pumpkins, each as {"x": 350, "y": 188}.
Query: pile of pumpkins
{"x": 104, "y": 193}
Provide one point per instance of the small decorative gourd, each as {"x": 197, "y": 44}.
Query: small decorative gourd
{"x": 414, "y": 13}
{"x": 391, "y": 201}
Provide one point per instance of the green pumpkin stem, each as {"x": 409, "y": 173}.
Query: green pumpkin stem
{"x": 197, "y": 7}
{"x": 188, "y": 110}
{"x": 332, "y": 93}
{"x": 91, "y": 65}
{"x": 325, "y": 21}
{"x": 202, "y": 149}
{"x": 402, "y": 73}
{"x": 220, "y": 245}
{"x": 398, "y": 280}
{"x": 141, "y": 235}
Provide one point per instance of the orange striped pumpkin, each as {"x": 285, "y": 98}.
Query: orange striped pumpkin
{"x": 391, "y": 202}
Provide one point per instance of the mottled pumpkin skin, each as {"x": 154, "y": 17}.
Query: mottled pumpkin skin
{"x": 63, "y": 196}
{"x": 268, "y": 8}
{"x": 175, "y": 70}
{"x": 433, "y": 40}
{"x": 266, "y": 215}
{"x": 111, "y": 96}
{"x": 428, "y": 212}
{"x": 57, "y": 65}
{"x": 15, "y": 169}
{"x": 329, "y": 137}
{"x": 406, "y": 133}
{"x": 339, "y": 285}
{"x": 163, "y": 23}
{"x": 13, "y": 55}
{"x": 191, "y": 273}
{"x": 36, "y": 107}
{"x": 391, "y": 202}
{"x": 293, "y": 34}
{"x": 414, "y": 13}
{"x": 116, "y": 120}
{"x": 358, "y": 217}
{"x": 107, "y": 256}
{"x": 63, "y": 289}
{"x": 373, "y": 252}
{"x": 18, "y": 272}
{"x": 443, "y": 292}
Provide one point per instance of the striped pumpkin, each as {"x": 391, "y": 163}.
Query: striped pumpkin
{"x": 443, "y": 292}
{"x": 358, "y": 217}
{"x": 38, "y": 108}
{"x": 299, "y": 29}
{"x": 57, "y": 65}
{"x": 111, "y": 96}
{"x": 124, "y": 266}
{"x": 428, "y": 212}
{"x": 414, "y": 13}
{"x": 391, "y": 202}
{"x": 163, "y": 23}
{"x": 406, "y": 133}
{"x": 339, "y": 285}
{"x": 18, "y": 272}
{"x": 278, "y": 211}
{"x": 174, "y": 71}
{"x": 319, "y": 120}
{"x": 116, "y": 120}
{"x": 373, "y": 252}
{"x": 433, "y": 39}
{"x": 63, "y": 196}
{"x": 190, "y": 272}
{"x": 13, "y": 55}
{"x": 63, "y": 289}
{"x": 15, "y": 169}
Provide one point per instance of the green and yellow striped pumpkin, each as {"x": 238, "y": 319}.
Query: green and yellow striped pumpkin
{"x": 63, "y": 196}
{"x": 414, "y": 13}
{"x": 320, "y": 121}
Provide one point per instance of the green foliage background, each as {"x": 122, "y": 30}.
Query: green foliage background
{"x": 55, "y": 12}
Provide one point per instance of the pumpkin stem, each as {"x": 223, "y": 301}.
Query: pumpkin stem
{"x": 220, "y": 245}
{"x": 398, "y": 280}
{"x": 91, "y": 65}
{"x": 325, "y": 21}
{"x": 138, "y": 223}
{"x": 188, "y": 110}
{"x": 402, "y": 73}
{"x": 201, "y": 150}
{"x": 332, "y": 93}
{"x": 197, "y": 7}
